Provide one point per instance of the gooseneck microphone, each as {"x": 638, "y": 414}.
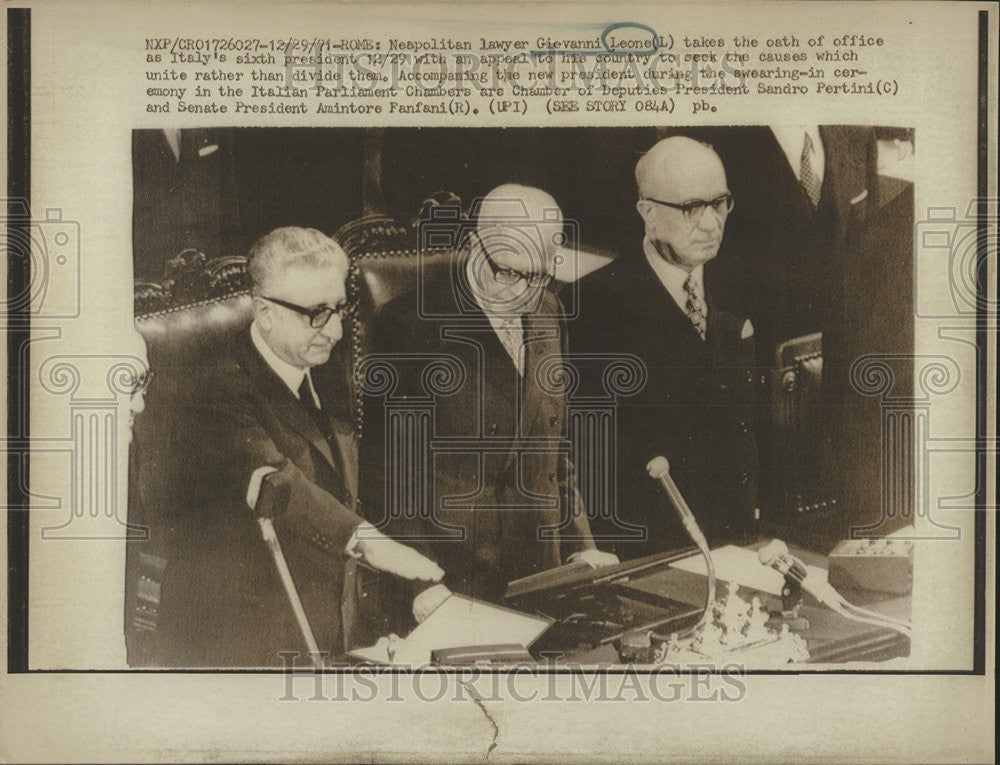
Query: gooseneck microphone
{"x": 659, "y": 468}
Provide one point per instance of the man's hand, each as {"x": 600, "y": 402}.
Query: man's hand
{"x": 595, "y": 558}
{"x": 390, "y": 556}
{"x": 425, "y": 603}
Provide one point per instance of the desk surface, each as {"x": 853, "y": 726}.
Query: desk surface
{"x": 830, "y": 638}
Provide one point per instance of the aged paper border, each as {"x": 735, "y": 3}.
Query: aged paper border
{"x": 83, "y": 109}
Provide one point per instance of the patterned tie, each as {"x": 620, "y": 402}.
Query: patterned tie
{"x": 807, "y": 176}
{"x": 695, "y": 306}
{"x": 511, "y": 334}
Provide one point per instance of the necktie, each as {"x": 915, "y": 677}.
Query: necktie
{"x": 306, "y": 397}
{"x": 511, "y": 334}
{"x": 321, "y": 420}
{"x": 807, "y": 176}
{"x": 695, "y": 306}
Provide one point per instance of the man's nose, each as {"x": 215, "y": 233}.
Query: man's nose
{"x": 333, "y": 329}
{"x": 711, "y": 220}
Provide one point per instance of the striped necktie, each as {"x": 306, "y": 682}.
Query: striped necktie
{"x": 807, "y": 176}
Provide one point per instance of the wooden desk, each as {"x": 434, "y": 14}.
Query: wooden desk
{"x": 831, "y": 638}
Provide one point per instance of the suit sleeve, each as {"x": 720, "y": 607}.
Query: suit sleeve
{"x": 240, "y": 444}
{"x": 579, "y": 536}
{"x": 390, "y": 335}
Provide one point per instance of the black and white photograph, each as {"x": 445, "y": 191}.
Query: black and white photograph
{"x": 545, "y": 369}
{"x": 490, "y": 382}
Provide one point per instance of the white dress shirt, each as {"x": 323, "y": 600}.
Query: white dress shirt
{"x": 791, "y": 139}
{"x": 173, "y": 136}
{"x": 290, "y": 375}
{"x": 673, "y": 277}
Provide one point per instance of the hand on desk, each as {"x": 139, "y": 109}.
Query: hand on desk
{"x": 385, "y": 554}
{"x": 595, "y": 558}
{"x": 425, "y": 603}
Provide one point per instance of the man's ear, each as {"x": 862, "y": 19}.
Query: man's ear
{"x": 262, "y": 312}
{"x": 645, "y": 208}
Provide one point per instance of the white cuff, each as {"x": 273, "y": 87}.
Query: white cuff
{"x": 363, "y": 528}
{"x": 436, "y": 593}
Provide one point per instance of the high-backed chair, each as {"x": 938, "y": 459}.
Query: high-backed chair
{"x": 798, "y": 452}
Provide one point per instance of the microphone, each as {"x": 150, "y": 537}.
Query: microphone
{"x": 776, "y": 555}
{"x": 659, "y": 468}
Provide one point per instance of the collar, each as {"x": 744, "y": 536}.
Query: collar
{"x": 290, "y": 375}
{"x": 791, "y": 138}
{"x": 673, "y": 277}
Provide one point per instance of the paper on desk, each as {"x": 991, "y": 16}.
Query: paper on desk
{"x": 737, "y": 564}
{"x": 458, "y": 621}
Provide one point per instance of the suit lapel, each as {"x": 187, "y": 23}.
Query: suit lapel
{"x": 334, "y": 388}
{"x": 288, "y": 408}
{"x": 498, "y": 370}
{"x": 348, "y": 456}
{"x": 664, "y": 312}
{"x": 542, "y": 340}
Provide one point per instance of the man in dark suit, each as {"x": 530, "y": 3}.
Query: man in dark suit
{"x": 274, "y": 409}
{"x": 806, "y": 194}
{"x": 662, "y": 303}
{"x": 185, "y": 196}
{"x": 487, "y": 490}
{"x": 803, "y": 190}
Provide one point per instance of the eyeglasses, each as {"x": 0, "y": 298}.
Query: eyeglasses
{"x": 510, "y": 276}
{"x": 140, "y": 382}
{"x": 692, "y": 211}
{"x": 318, "y": 317}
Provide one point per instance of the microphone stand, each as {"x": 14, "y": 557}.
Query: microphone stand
{"x": 659, "y": 469}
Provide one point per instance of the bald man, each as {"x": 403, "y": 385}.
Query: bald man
{"x": 662, "y": 301}
{"x": 501, "y": 503}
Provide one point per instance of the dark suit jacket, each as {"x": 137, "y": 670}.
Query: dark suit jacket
{"x": 780, "y": 253}
{"x": 697, "y": 407}
{"x": 223, "y": 603}
{"x": 501, "y": 503}
{"x": 183, "y": 203}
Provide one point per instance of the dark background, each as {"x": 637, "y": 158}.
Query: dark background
{"x": 221, "y": 200}
{"x": 260, "y": 178}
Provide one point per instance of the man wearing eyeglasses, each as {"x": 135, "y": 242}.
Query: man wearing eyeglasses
{"x": 667, "y": 303}
{"x": 276, "y": 413}
{"x": 500, "y": 501}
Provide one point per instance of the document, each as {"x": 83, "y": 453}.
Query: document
{"x": 458, "y": 622}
